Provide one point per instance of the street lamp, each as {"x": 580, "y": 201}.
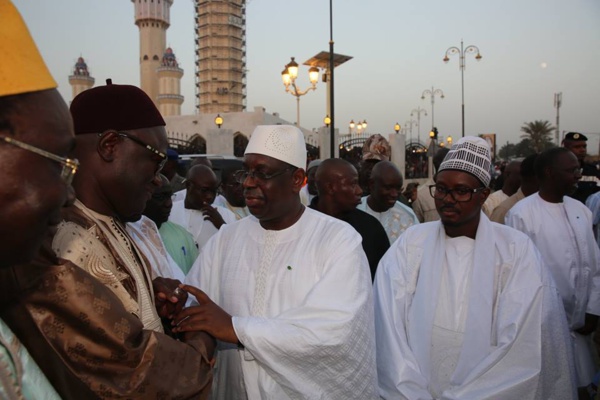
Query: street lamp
{"x": 433, "y": 92}
{"x": 218, "y": 121}
{"x": 327, "y": 121}
{"x": 360, "y": 125}
{"x": 461, "y": 65}
{"x": 289, "y": 75}
{"x": 408, "y": 125}
{"x": 418, "y": 110}
{"x": 449, "y": 140}
{"x": 397, "y": 128}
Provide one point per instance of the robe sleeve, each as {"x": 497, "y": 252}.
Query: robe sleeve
{"x": 82, "y": 330}
{"x": 532, "y": 356}
{"x": 398, "y": 370}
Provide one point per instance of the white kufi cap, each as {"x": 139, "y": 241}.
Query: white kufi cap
{"x": 470, "y": 154}
{"x": 282, "y": 142}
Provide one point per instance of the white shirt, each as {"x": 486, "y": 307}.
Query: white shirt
{"x": 490, "y": 326}
{"x": 301, "y": 305}
{"x": 494, "y": 201}
{"x": 395, "y": 220}
{"x": 194, "y": 222}
{"x": 240, "y": 212}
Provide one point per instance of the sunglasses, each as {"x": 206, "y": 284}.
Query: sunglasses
{"x": 69, "y": 165}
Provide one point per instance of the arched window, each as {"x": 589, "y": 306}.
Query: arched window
{"x": 155, "y": 58}
{"x": 240, "y": 142}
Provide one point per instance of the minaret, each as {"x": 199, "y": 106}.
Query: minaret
{"x": 152, "y": 17}
{"x": 169, "y": 85}
{"x": 220, "y": 56}
{"x": 80, "y": 80}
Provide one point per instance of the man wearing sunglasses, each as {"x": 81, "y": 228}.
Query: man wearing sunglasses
{"x": 464, "y": 307}
{"x": 36, "y": 136}
{"x": 90, "y": 318}
{"x": 293, "y": 288}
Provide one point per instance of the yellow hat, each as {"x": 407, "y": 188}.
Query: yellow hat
{"x": 22, "y": 69}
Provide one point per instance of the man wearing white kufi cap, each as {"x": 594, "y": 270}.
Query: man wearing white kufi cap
{"x": 294, "y": 315}
{"x": 464, "y": 307}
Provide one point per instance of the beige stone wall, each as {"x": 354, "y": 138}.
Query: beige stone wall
{"x": 187, "y": 126}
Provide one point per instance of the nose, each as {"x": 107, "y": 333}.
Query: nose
{"x": 358, "y": 190}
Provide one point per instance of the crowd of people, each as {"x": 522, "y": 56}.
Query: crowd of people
{"x": 273, "y": 279}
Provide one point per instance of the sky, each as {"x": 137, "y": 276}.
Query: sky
{"x": 530, "y": 50}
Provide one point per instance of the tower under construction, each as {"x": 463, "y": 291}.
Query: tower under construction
{"x": 220, "y": 56}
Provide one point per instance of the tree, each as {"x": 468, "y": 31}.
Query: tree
{"x": 539, "y": 134}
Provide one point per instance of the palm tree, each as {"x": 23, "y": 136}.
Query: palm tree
{"x": 539, "y": 134}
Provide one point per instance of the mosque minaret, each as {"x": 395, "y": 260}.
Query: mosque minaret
{"x": 169, "y": 85}
{"x": 153, "y": 19}
{"x": 80, "y": 79}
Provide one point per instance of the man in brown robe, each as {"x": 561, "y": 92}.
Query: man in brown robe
{"x": 85, "y": 308}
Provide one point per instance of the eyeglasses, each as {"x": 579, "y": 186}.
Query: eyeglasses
{"x": 241, "y": 175}
{"x": 145, "y": 145}
{"x": 459, "y": 194}
{"x": 69, "y": 165}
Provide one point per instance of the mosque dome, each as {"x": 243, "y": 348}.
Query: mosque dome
{"x": 81, "y": 68}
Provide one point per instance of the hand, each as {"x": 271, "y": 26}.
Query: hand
{"x": 591, "y": 322}
{"x": 207, "y": 317}
{"x": 168, "y": 297}
{"x": 211, "y": 214}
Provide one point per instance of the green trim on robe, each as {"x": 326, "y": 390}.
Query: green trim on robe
{"x": 22, "y": 371}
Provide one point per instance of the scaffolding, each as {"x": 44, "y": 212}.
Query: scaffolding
{"x": 220, "y": 27}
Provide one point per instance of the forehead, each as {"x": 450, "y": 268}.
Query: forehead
{"x": 256, "y": 161}
{"x": 572, "y": 144}
{"x": 44, "y": 121}
{"x": 566, "y": 159}
{"x": 453, "y": 178}
{"x": 389, "y": 176}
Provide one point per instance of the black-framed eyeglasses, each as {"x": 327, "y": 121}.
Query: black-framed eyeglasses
{"x": 69, "y": 165}
{"x": 145, "y": 145}
{"x": 241, "y": 175}
{"x": 459, "y": 194}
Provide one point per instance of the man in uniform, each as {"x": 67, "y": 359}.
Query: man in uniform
{"x": 588, "y": 184}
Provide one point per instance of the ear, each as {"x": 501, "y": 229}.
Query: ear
{"x": 484, "y": 195}
{"x": 298, "y": 179}
{"x": 107, "y": 145}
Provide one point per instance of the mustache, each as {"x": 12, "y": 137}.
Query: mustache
{"x": 448, "y": 208}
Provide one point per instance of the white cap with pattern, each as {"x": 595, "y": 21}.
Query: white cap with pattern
{"x": 282, "y": 142}
{"x": 470, "y": 154}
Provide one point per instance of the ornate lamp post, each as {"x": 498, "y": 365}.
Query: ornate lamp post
{"x": 408, "y": 125}
{"x": 433, "y": 92}
{"x": 397, "y": 128}
{"x": 461, "y": 64}
{"x": 289, "y": 75}
{"x": 418, "y": 111}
